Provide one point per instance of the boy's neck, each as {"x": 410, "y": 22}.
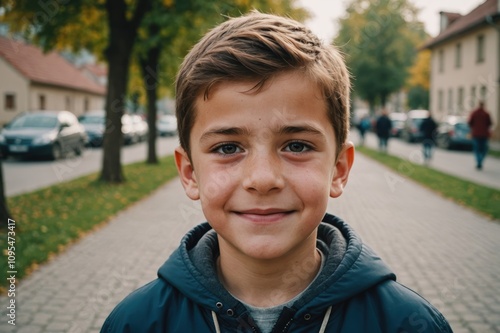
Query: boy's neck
{"x": 268, "y": 283}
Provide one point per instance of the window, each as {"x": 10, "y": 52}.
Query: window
{"x": 480, "y": 48}
{"x": 41, "y": 102}
{"x": 473, "y": 101}
{"x": 68, "y": 103}
{"x": 483, "y": 93}
{"x": 441, "y": 61}
{"x": 10, "y": 102}
{"x": 458, "y": 55}
{"x": 460, "y": 100}
{"x": 440, "y": 100}
{"x": 450, "y": 101}
{"x": 86, "y": 104}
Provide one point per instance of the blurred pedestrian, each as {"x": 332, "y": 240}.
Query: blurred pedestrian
{"x": 480, "y": 122}
{"x": 383, "y": 127}
{"x": 428, "y": 128}
{"x": 363, "y": 126}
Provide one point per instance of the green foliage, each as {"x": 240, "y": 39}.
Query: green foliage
{"x": 379, "y": 39}
{"x": 50, "y": 219}
{"x": 59, "y": 24}
{"x": 418, "y": 98}
{"x": 480, "y": 198}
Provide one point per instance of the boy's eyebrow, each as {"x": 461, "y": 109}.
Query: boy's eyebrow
{"x": 224, "y": 131}
{"x": 282, "y": 130}
{"x": 300, "y": 129}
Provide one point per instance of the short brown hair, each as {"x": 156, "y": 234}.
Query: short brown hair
{"x": 256, "y": 47}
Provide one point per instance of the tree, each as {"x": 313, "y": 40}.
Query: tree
{"x": 4, "y": 210}
{"x": 419, "y": 81}
{"x": 122, "y": 35}
{"x": 379, "y": 40}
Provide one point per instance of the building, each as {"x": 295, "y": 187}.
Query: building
{"x": 96, "y": 72}
{"x": 465, "y": 63}
{"x": 32, "y": 80}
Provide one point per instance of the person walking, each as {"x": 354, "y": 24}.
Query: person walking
{"x": 363, "y": 126}
{"x": 383, "y": 127}
{"x": 480, "y": 122}
{"x": 428, "y": 128}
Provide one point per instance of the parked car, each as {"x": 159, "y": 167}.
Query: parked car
{"x": 95, "y": 126}
{"x": 454, "y": 132}
{"x": 50, "y": 134}
{"x": 130, "y": 136}
{"x": 140, "y": 127}
{"x": 411, "y": 130}
{"x": 94, "y": 123}
{"x": 166, "y": 125}
{"x": 398, "y": 122}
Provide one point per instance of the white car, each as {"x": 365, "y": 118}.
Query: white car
{"x": 167, "y": 125}
{"x": 140, "y": 127}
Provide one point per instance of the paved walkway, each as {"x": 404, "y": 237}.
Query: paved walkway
{"x": 458, "y": 163}
{"x": 442, "y": 250}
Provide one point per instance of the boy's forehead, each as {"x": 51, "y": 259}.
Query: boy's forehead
{"x": 286, "y": 112}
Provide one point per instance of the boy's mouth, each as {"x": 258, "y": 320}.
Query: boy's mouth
{"x": 264, "y": 215}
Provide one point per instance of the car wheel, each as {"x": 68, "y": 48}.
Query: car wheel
{"x": 56, "y": 151}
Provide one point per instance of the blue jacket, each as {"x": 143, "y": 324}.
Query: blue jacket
{"x": 355, "y": 292}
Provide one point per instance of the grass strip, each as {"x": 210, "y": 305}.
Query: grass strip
{"x": 50, "y": 219}
{"x": 494, "y": 153}
{"x": 480, "y": 198}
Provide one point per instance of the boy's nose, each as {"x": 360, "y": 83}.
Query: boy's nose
{"x": 263, "y": 173}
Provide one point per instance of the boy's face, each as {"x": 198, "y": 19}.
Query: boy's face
{"x": 264, "y": 164}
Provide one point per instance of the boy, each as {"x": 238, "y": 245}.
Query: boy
{"x": 263, "y": 112}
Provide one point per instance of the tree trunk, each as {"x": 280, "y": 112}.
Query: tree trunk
{"x": 4, "y": 211}
{"x": 149, "y": 66}
{"x": 383, "y": 99}
{"x": 122, "y": 34}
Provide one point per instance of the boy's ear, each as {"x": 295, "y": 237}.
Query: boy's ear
{"x": 342, "y": 169}
{"x": 186, "y": 173}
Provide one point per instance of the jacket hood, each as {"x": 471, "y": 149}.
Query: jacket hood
{"x": 350, "y": 268}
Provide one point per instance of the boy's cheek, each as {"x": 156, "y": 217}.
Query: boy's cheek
{"x": 214, "y": 185}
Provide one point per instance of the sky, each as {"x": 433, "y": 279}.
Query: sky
{"x": 326, "y": 12}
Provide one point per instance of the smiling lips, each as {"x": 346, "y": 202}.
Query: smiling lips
{"x": 264, "y": 216}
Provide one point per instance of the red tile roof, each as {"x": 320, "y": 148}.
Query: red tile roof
{"x": 452, "y": 17}
{"x": 461, "y": 24}
{"x": 50, "y": 68}
{"x": 96, "y": 69}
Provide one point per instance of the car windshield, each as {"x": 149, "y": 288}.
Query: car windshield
{"x": 462, "y": 126}
{"x": 91, "y": 120}
{"x": 34, "y": 121}
{"x": 417, "y": 122}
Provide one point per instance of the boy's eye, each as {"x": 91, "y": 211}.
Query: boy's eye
{"x": 227, "y": 149}
{"x": 297, "y": 147}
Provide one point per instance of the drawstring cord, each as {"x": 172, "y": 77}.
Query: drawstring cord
{"x": 321, "y": 330}
{"x": 325, "y": 320}
{"x": 216, "y": 322}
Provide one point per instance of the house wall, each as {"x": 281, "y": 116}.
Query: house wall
{"x": 457, "y": 89}
{"x": 63, "y": 99}
{"x": 12, "y": 83}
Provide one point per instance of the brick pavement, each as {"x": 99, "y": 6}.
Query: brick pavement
{"x": 443, "y": 251}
